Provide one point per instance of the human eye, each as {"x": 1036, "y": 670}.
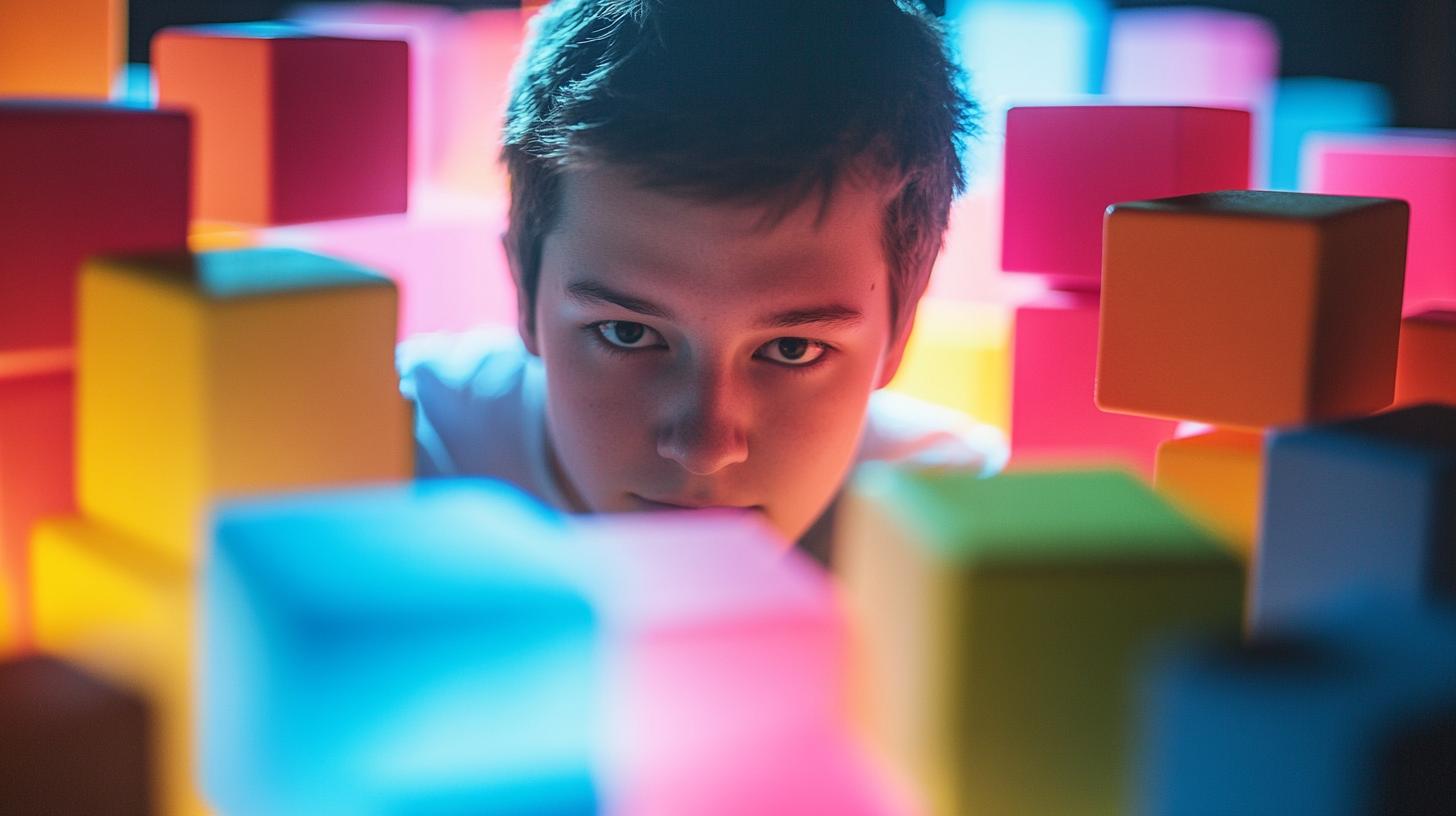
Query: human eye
{"x": 626, "y": 335}
{"x": 797, "y": 352}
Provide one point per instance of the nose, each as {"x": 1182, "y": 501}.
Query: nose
{"x": 704, "y": 431}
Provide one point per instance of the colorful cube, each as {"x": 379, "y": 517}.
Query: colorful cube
{"x": 290, "y": 126}
{"x": 1002, "y": 623}
{"x": 451, "y": 668}
{"x": 80, "y": 178}
{"x": 1426, "y": 368}
{"x": 1053, "y": 415}
{"x": 959, "y": 356}
{"x": 1251, "y": 308}
{"x": 1057, "y": 188}
{"x": 1217, "y": 478}
{"x": 228, "y": 373}
{"x": 61, "y": 48}
{"x": 1416, "y": 166}
{"x": 484, "y": 46}
{"x": 1358, "y": 505}
{"x": 70, "y": 743}
{"x": 1192, "y": 55}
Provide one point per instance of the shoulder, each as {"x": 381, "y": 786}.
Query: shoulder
{"x": 901, "y": 428}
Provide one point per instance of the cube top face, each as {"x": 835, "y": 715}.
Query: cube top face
{"x": 1065, "y": 165}
{"x": 1251, "y": 308}
{"x": 252, "y": 272}
{"x": 1030, "y": 517}
{"x": 265, "y": 31}
{"x": 1419, "y": 433}
{"x": 1427, "y": 358}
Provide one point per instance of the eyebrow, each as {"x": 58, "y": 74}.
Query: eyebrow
{"x": 593, "y": 292}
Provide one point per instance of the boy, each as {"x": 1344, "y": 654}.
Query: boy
{"x": 723, "y": 214}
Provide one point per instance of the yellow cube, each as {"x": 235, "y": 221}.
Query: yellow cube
{"x": 60, "y": 47}
{"x": 206, "y": 236}
{"x": 1217, "y": 478}
{"x": 228, "y": 373}
{"x": 959, "y": 356}
{"x": 104, "y": 602}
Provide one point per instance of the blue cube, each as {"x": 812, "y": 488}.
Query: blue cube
{"x": 414, "y": 649}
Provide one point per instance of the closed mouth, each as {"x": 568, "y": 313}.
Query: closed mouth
{"x": 658, "y": 504}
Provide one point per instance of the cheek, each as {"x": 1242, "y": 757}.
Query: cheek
{"x": 596, "y": 408}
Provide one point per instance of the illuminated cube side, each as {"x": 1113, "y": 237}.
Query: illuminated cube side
{"x": 1251, "y": 308}
{"x": 71, "y": 743}
{"x": 290, "y": 126}
{"x": 452, "y": 667}
{"x": 102, "y": 601}
{"x": 1415, "y": 166}
{"x": 80, "y": 178}
{"x": 1057, "y": 188}
{"x": 230, "y": 373}
{"x": 1217, "y": 478}
{"x": 1426, "y": 367}
{"x": 1358, "y": 505}
{"x": 1053, "y": 414}
{"x": 61, "y": 48}
{"x": 959, "y": 356}
{"x": 1002, "y": 623}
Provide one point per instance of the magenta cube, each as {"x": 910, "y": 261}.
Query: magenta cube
{"x": 1417, "y": 166}
{"x": 1066, "y": 164}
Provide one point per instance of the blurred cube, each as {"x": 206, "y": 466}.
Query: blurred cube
{"x": 1426, "y": 368}
{"x": 70, "y": 744}
{"x": 959, "y": 356}
{"x": 484, "y": 45}
{"x": 231, "y": 372}
{"x": 61, "y": 48}
{"x": 1413, "y": 165}
{"x": 1058, "y": 187}
{"x": 1251, "y": 308}
{"x": 450, "y": 668}
{"x": 1304, "y": 106}
{"x": 1053, "y": 415}
{"x": 290, "y": 126}
{"x": 1193, "y": 56}
{"x": 1002, "y": 622}
{"x": 1358, "y": 505}
{"x": 80, "y": 178}
{"x": 1216, "y": 477}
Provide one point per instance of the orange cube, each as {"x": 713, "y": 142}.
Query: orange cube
{"x": 53, "y": 48}
{"x": 1426, "y": 370}
{"x": 1251, "y": 308}
{"x": 1216, "y": 477}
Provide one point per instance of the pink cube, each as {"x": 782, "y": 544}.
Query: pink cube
{"x": 1065, "y": 165}
{"x": 1053, "y": 416}
{"x": 484, "y": 48}
{"x": 1418, "y": 166}
{"x": 1198, "y": 56}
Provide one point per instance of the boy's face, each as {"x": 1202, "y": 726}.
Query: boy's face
{"x": 695, "y": 357}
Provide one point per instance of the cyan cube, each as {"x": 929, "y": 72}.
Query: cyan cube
{"x": 1368, "y": 503}
{"x": 422, "y": 648}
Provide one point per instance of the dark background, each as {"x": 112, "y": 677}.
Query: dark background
{"x": 1409, "y": 46}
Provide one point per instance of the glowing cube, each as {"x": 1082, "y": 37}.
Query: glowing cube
{"x": 103, "y": 601}
{"x": 1002, "y": 623}
{"x": 290, "y": 127}
{"x": 959, "y": 356}
{"x": 1251, "y": 308}
{"x": 80, "y": 178}
{"x": 1053, "y": 416}
{"x": 1192, "y": 56}
{"x": 68, "y": 48}
{"x": 1426, "y": 368}
{"x": 1303, "y": 721}
{"x": 1217, "y": 478}
{"x": 1057, "y": 188}
{"x": 1417, "y": 166}
{"x": 1308, "y": 105}
{"x": 485, "y": 44}
{"x": 36, "y": 465}
{"x": 1362, "y": 504}
{"x": 73, "y": 744}
{"x": 231, "y": 372}
{"x": 450, "y": 668}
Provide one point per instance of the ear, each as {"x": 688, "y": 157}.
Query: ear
{"x": 525, "y": 308}
{"x": 895, "y": 354}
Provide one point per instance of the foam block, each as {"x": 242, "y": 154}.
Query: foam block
{"x": 1053, "y": 416}
{"x": 450, "y": 669}
{"x": 102, "y": 601}
{"x": 1416, "y": 166}
{"x": 1251, "y": 308}
{"x": 1358, "y": 504}
{"x": 1426, "y": 368}
{"x": 1299, "y": 722}
{"x": 229, "y": 373}
{"x": 67, "y": 48}
{"x": 959, "y": 356}
{"x": 1056, "y": 188}
{"x": 290, "y": 126}
{"x": 71, "y": 744}
{"x": 1307, "y": 105}
{"x": 37, "y": 476}
{"x": 80, "y": 178}
{"x": 1217, "y": 478}
{"x": 1002, "y": 622}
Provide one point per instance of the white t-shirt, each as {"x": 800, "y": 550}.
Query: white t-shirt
{"x": 480, "y": 410}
